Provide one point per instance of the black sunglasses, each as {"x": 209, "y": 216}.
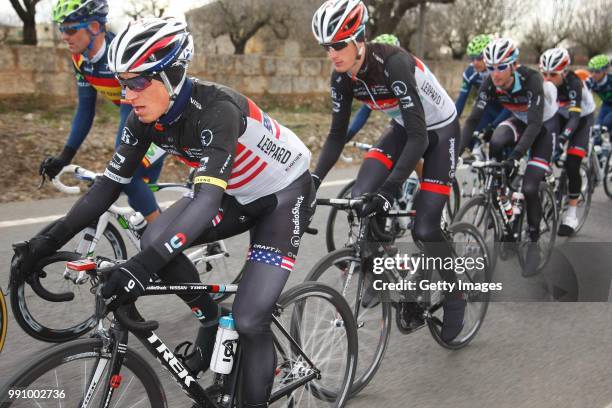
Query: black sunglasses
{"x": 137, "y": 84}
{"x": 337, "y": 46}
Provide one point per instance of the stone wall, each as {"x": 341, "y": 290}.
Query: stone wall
{"x": 29, "y": 70}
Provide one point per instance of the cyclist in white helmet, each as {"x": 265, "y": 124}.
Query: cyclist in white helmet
{"x": 251, "y": 175}
{"x": 575, "y": 118}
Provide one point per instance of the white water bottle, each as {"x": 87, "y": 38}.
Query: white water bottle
{"x": 225, "y": 346}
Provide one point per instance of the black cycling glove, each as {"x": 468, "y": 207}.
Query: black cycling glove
{"x": 52, "y": 165}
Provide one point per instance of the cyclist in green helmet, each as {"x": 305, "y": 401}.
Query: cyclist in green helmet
{"x": 362, "y": 115}
{"x": 82, "y": 24}
{"x": 600, "y": 82}
{"x": 473, "y": 76}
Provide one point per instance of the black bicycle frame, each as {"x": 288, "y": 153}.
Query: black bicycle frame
{"x": 157, "y": 347}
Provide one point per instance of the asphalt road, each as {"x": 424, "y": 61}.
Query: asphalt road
{"x": 530, "y": 352}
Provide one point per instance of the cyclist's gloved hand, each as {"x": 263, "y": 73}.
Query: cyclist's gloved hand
{"x": 317, "y": 181}
{"x": 52, "y": 165}
{"x": 43, "y": 245}
{"x": 127, "y": 281}
{"x": 378, "y": 203}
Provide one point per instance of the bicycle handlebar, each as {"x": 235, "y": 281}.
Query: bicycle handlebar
{"x": 360, "y": 146}
{"x": 340, "y": 202}
{"x": 78, "y": 172}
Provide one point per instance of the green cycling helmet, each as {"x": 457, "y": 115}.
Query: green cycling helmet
{"x": 477, "y": 45}
{"x": 598, "y": 62}
{"x": 387, "y": 39}
{"x": 71, "y": 11}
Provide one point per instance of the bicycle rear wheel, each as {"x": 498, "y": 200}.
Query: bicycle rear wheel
{"x": 65, "y": 318}
{"x": 467, "y": 243}
{"x": 341, "y": 270}
{"x": 73, "y": 372}
{"x": 548, "y": 228}
{"x": 321, "y": 323}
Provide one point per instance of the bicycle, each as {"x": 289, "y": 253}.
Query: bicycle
{"x": 345, "y": 270}
{"x": 409, "y": 190}
{"x": 499, "y": 214}
{"x": 65, "y": 291}
{"x": 3, "y": 320}
{"x": 600, "y": 163}
{"x": 314, "y": 336}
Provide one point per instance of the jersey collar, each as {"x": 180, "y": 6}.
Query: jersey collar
{"x": 179, "y": 104}
{"x": 98, "y": 55}
{"x": 517, "y": 83}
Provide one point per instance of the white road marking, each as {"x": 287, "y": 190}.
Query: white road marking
{"x": 49, "y": 218}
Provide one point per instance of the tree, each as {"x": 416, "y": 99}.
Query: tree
{"x": 26, "y": 10}
{"x": 385, "y": 15}
{"x": 547, "y": 33}
{"x": 242, "y": 19}
{"x": 592, "y": 27}
{"x": 140, "y": 8}
{"x": 454, "y": 25}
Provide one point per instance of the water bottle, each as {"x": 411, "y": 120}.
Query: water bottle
{"x": 406, "y": 200}
{"x": 506, "y": 206}
{"x": 517, "y": 202}
{"x": 225, "y": 346}
{"x": 138, "y": 223}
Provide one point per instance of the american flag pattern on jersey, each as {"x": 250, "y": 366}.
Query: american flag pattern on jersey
{"x": 270, "y": 258}
{"x": 218, "y": 218}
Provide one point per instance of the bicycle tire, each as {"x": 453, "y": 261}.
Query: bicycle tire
{"x": 607, "y": 179}
{"x": 365, "y": 369}
{"x": 483, "y": 220}
{"x": 343, "y": 321}
{"x": 72, "y": 352}
{"x": 474, "y": 297}
{"x": 30, "y": 323}
{"x": 550, "y": 216}
{"x": 585, "y": 195}
{"x": 330, "y": 239}
{"x": 3, "y": 320}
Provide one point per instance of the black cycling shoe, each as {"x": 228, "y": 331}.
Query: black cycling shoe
{"x": 409, "y": 317}
{"x": 198, "y": 359}
{"x": 452, "y": 324}
{"x": 532, "y": 260}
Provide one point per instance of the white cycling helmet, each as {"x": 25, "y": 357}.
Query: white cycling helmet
{"x": 555, "y": 60}
{"x": 339, "y": 20}
{"x": 154, "y": 46}
{"x": 500, "y": 51}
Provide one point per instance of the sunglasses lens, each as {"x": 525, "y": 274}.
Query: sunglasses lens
{"x": 336, "y": 46}
{"x": 501, "y": 67}
{"x": 137, "y": 84}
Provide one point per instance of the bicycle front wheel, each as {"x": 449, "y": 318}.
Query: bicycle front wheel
{"x": 66, "y": 316}
{"x": 607, "y": 179}
{"x": 341, "y": 270}
{"x": 325, "y": 349}
{"x": 467, "y": 244}
{"x": 3, "y": 320}
{"x": 73, "y": 373}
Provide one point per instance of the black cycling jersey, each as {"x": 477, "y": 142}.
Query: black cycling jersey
{"x": 525, "y": 100}
{"x": 398, "y": 83}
